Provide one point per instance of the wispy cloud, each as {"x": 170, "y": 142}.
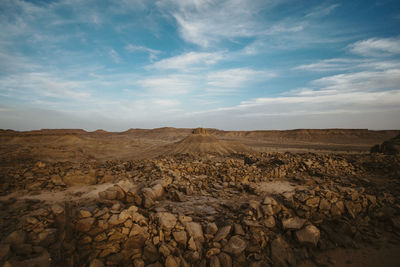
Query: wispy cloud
{"x": 114, "y": 56}
{"x": 376, "y": 47}
{"x": 232, "y": 79}
{"x": 189, "y": 61}
{"x": 43, "y": 85}
{"x": 205, "y": 22}
{"x": 153, "y": 53}
{"x": 322, "y": 10}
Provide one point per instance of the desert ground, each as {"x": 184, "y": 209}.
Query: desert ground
{"x": 200, "y": 197}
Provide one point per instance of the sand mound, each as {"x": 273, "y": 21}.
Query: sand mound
{"x": 200, "y": 142}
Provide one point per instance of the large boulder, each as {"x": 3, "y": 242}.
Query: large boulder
{"x": 309, "y": 235}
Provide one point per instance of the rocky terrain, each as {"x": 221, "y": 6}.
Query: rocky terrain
{"x": 203, "y": 200}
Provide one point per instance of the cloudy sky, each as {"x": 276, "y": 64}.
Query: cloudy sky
{"x": 238, "y": 64}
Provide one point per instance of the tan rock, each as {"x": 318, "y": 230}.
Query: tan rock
{"x": 212, "y": 251}
{"x": 214, "y": 262}
{"x": 57, "y": 209}
{"x": 171, "y": 261}
{"x": 84, "y": 214}
{"x": 324, "y": 205}
{"x": 225, "y": 260}
{"x": 313, "y": 202}
{"x": 137, "y": 230}
{"x": 84, "y": 225}
{"x": 180, "y": 237}
{"x": 194, "y": 230}
{"x": 309, "y": 234}
{"x": 167, "y": 220}
{"x": 270, "y": 222}
{"x": 235, "y": 246}
{"x": 211, "y": 228}
{"x": 96, "y": 263}
{"x": 294, "y": 223}
{"x": 222, "y": 233}
{"x": 337, "y": 208}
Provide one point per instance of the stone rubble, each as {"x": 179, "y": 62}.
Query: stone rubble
{"x": 191, "y": 211}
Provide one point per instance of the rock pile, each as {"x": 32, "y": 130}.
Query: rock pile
{"x": 192, "y": 211}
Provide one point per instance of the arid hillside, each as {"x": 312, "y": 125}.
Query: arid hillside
{"x": 77, "y": 145}
{"x": 203, "y": 197}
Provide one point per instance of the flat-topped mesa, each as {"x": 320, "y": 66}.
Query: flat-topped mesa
{"x": 200, "y": 131}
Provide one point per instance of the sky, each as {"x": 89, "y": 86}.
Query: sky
{"x": 232, "y": 65}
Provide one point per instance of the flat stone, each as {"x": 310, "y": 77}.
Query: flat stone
{"x": 137, "y": 230}
{"x": 84, "y": 214}
{"x": 114, "y": 220}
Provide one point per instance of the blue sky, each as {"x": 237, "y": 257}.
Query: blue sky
{"x": 240, "y": 65}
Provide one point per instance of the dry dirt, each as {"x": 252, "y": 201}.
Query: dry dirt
{"x": 177, "y": 197}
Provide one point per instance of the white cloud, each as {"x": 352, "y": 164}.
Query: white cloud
{"x": 235, "y": 78}
{"x": 376, "y": 47}
{"x": 358, "y": 99}
{"x": 188, "y": 61}
{"x": 205, "y": 22}
{"x": 335, "y": 64}
{"x": 30, "y": 86}
{"x": 322, "y": 10}
{"x": 361, "y": 81}
{"x": 137, "y": 48}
